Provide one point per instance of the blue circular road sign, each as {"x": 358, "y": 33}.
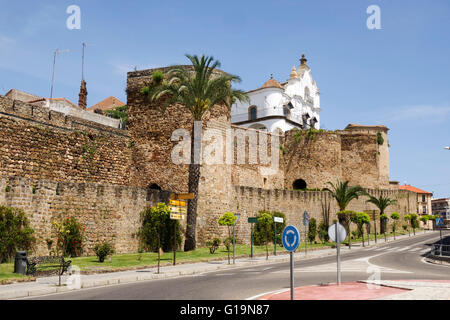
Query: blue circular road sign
{"x": 290, "y": 238}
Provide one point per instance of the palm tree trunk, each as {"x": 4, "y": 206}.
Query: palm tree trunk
{"x": 194, "y": 179}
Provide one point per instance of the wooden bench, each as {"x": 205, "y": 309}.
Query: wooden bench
{"x": 47, "y": 265}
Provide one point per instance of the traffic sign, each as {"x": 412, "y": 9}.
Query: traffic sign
{"x": 290, "y": 238}
{"x": 342, "y": 233}
{"x": 177, "y": 209}
{"x": 305, "y": 218}
{"x": 439, "y": 222}
{"x": 278, "y": 219}
{"x": 175, "y": 216}
{"x": 185, "y": 196}
{"x": 177, "y": 203}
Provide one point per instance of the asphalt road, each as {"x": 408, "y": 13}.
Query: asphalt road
{"x": 392, "y": 261}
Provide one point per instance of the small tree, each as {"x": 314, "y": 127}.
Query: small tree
{"x": 360, "y": 219}
{"x": 228, "y": 219}
{"x": 61, "y": 233}
{"x": 424, "y": 220}
{"x": 407, "y": 218}
{"x": 265, "y": 222}
{"x": 394, "y": 216}
{"x": 15, "y": 233}
{"x": 384, "y": 220}
{"x": 323, "y": 232}
{"x": 344, "y": 194}
{"x": 157, "y": 229}
{"x": 312, "y": 230}
{"x": 414, "y": 222}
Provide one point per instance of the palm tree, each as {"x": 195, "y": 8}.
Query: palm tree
{"x": 343, "y": 194}
{"x": 381, "y": 203}
{"x": 198, "y": 89}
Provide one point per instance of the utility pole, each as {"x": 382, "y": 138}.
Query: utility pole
{"x": 57, "y": 51}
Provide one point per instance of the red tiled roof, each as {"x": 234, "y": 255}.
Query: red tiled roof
{"x": 413, "y": 189}
{"x": 106, "y": 104}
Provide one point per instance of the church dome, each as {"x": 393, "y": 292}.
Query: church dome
{"x": 272, "y": 83}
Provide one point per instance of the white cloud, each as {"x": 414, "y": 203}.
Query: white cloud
{"x": 420, "y": 112}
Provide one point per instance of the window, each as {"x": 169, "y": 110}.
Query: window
{"x": 423, "y": 198}
{"x": 252, "y": 113}
{"x": 424, "y": 209}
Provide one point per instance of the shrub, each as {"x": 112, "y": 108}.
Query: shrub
{"x": 15, "y": 233}
{"x": 156, "y": 223}
{"x": 102, "y": 250}
{"x": 312, "y": 230}
{"x": 380, "y": 138}
{"x": 70, "y": 236}
{"x": 213, "y": 245}
{"x": 405, "y": 227}
{"x": 323, "y": 232}
{"x": 157, "y": 76}
{"x": 259, "y": 233}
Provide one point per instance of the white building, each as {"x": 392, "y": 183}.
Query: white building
{"x": 292, "y": 104}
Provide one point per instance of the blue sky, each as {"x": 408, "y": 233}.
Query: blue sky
{"x": 397, "y": 76}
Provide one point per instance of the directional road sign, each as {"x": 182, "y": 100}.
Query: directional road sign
{"x": 278, "y": 219}
{"x": 177, "y": 203}
{"x": 177, "y": 209}
{"x": 291, "y": 238}
{"x": 175, "y": 216}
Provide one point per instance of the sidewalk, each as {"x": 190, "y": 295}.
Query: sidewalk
{"x": 370, "y": 290}
{"x": 48, "y": 285}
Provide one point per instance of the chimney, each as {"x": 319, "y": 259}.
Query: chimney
{"x": 82, "y": 97}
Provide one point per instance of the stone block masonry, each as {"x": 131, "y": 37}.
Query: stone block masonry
{"x": 38, "y": 143}
{"x": 109, "y": 212}
{"x": 53, "y": 165}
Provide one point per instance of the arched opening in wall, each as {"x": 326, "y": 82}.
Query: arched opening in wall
{"x": 299, "y": 184}
{"x": 154, "y": 186}
{"x": 150, "y": 190}
{"x": 252, "y": 113}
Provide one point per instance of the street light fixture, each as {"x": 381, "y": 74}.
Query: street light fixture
{"x": 448, "y": 148}
{"x": 238, "y": 215}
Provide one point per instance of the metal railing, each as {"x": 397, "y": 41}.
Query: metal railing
{"x": 440, "y": 250}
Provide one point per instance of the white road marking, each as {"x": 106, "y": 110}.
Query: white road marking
{"x": 355, "y": 265}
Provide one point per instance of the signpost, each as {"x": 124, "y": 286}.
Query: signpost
{"x": 275, "y": 221}
{"x": 440, "y": 224}
{"x": 337, "y": 233}
{"x": 252, "y": 221}
{"x": 306, "y": 224}
{"x": 385, "y": 228}
{"x": 234, "y": 237}
{"x": 176, "y": 208}
{"x": 291, "y": 241}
